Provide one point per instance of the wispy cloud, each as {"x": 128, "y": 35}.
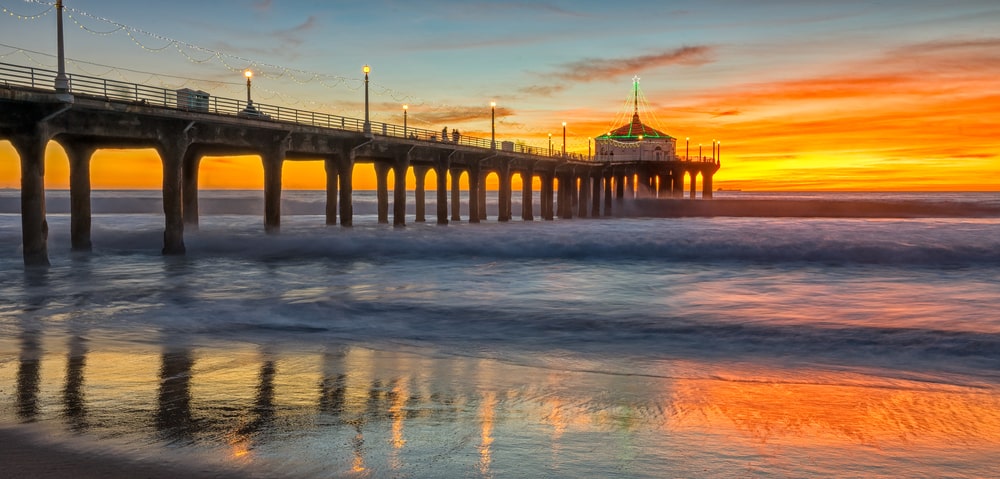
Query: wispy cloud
{"x": 543, "y": 90}
{"x": 292, "y": 35}
{"x": 594, "y": 69}
{"x": 263, "y": 5}
{"x": 459, "y": 114}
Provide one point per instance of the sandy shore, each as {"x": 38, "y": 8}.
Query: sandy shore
{"x": 25, "y": 455}
{"x": 674, "y": 208}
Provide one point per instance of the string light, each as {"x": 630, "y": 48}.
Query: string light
{"x": 27, "y": 17}
{"x": 201, "y": 55}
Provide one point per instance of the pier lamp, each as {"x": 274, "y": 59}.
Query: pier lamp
{"x": 713, "y": 150}
{"x": 589, "y": 151}
{"x": 699, "y": 151}
{"x": 493, "y": 125}
{"x": 687, "y": 149}
{"x": 718, "y": 158}
{"x": 550, "y": 144}
{"x": 564, "y": 139}
{"x": 368, "y": 126}
{"x": 249, "y": 74}
{"x": 405, "y": 107}
{"x": 62, "y": 82}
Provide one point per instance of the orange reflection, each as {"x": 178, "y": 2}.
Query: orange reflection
{"x": 852, "y": 411}
{"x": 487, "y": 413}
{"x": 400, "y": 394}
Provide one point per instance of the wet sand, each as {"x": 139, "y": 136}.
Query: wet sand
{"x": 25, "y": 455}
{"x": 776, "y": 208}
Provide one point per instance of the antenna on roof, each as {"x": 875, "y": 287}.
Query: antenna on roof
{"x": 635, "y": 89}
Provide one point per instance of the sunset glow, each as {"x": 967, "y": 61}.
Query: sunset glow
{"x": 895, "y": 96}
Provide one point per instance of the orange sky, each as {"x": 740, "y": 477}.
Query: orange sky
{"x": 920, "y": 118}
{"x": 802, "y": 98}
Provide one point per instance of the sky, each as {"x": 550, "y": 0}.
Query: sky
{"x": 889, "y": 95}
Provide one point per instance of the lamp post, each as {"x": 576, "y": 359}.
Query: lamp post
{"x": 405, "y": 107}
{"x": 640, "y": 147}
{"x": 589, "y": 151}
{"x": 713, "y": 150}
{"x": 550, "y": 144}
{"x": 62, "y": 82}
{"x": 719, "y": 157}
{"x": 564, "y": 140}
{"x": 699, "y": 151}
{"x": 493, "y": 125}
{"x": 368, "y": 126}
{"x": 249, "y": 74}
{"x": 687, "y": 149}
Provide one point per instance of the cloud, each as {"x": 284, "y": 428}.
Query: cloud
{"x": 593, "y": 69}
{"x": 459, "y": 114}
{"x": 291, "y": 35}
{"x": 263, "y": 5}
{"x": 282, "y": 43}
{"x": 543, "y": 90}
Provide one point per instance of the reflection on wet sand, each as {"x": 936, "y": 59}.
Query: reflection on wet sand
{"x": 28, "y": 375}
{"x": 73, "y": 395}
{"x": 876, "y": 414}
{"x": 173, "y": 412}
{"x": 388, "y": 413}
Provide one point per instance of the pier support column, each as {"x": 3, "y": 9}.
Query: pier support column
{"x": 642, "y": 185}
{"x": 382, "y": 192}
{"x": 332, "y": 179}
{"x": 441, "y": 172}
{"x": 420, "y": 173}
{"x": 678, "y": 183}
{"x": 34, "y": 226}
{"x": 474, "y": 199}
{"x": 560, "y": 199}
{"x": 567, "y": 191}
{"x": 192, "y": 162}
{"x": 706, "y": 185}
{"x": 399, "y": 192}
{"x": 630, "y": 186}
{"x": 545, "y": 197}
{"x": 481, "y": 196}
{"x": 527, "y": 208}
{"x": 79, "y": 195}
{"x": 503, "y": 195}
{"x": 620, "y": 189}
{"x": 595, "y": 200}
{"x": 608, "y": 197}
{"x": 272, "y": 159}
{"x": 345, "y": 172}
{"x": 694, "y": 184}
{"x": 456, "y": 194}
{"x": 172, "y": 155}
{"x": 574, "y": 193}
{"x": 584, "y": 198}
{"x": 663, "y": 187}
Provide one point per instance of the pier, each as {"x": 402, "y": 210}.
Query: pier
{"x": 84, "y": 114}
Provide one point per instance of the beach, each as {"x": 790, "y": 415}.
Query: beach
{"x": 702, "y": 346}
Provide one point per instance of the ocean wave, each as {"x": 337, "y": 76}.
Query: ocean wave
{"x": 821, "y": 241}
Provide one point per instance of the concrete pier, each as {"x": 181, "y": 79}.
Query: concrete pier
{"x": 182, "y": 137}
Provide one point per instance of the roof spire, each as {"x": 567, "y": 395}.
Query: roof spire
{"x": 635, "y": 89}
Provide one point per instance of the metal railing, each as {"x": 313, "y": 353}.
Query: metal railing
{"x": 647, "y": 156}
{"x": 199, "y": 101}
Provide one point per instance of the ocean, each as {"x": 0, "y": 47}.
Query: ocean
{"x": 626, "y": 347}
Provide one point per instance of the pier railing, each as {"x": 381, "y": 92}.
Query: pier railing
{"x": 199, "y": 101}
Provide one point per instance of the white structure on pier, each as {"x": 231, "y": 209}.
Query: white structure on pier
{"x": 635, "y": 141}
